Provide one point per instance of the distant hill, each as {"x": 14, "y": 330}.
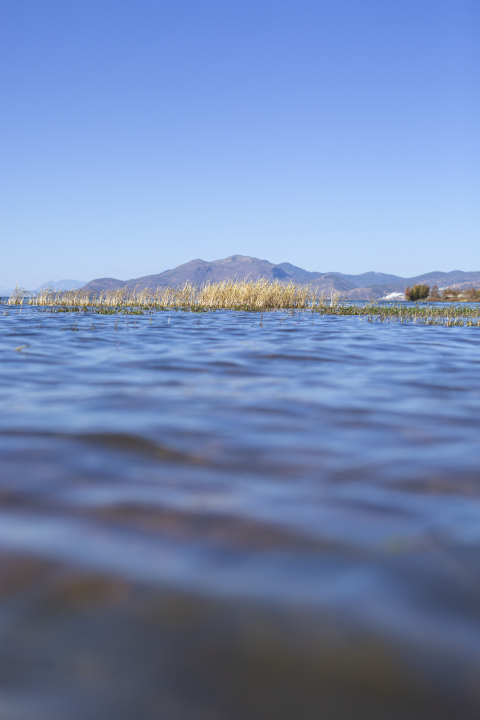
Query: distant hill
{"x": 366, "y": 286}
{"x": 446, "y": 279}
{"x": 58, "y": 285}
{"x": 198, "y": 271}
{"x": 299, "y": 274}
{"x": 62, "y": 285}
{"x": 235, "y": 266}
{"x": 373, "y": 278}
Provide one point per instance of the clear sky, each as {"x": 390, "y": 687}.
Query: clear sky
{"x": 339, "y": 135}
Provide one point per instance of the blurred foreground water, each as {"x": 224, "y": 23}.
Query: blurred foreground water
{"x": 233, "y": 517}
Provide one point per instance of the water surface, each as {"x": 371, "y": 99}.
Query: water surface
{"x": 230, "y": 515}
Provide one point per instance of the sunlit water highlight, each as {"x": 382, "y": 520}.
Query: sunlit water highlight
{"x": 233, "y": 516}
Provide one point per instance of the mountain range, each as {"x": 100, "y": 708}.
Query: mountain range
{"x": 58, "y": 285}
{"x": 366, "y": 286}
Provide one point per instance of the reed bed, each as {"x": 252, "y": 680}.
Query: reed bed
{"x": 246, "y": 295}
{"x": 255, "y": 295}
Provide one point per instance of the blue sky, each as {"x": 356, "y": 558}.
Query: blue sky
{"x": 137, "y": 135}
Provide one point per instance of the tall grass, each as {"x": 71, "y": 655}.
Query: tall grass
{"x": 232, "y": 294}
{"x": 18, "y": 296}
{"x": 249, "y": 295}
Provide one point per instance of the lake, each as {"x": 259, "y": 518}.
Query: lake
{"x": 229, "y": 516}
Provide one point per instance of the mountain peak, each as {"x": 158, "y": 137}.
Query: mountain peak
{"x": 368, "y": 285}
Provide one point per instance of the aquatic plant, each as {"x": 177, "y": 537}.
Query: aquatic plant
{"x": 18, "y": 296}
{"x": 258, "y": 295}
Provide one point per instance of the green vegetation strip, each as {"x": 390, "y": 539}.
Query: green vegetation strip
{"x": 422, "y": 314}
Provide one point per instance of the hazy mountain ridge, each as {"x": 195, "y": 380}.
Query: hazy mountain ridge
{"x": 365, "y": 286}
{"x": 66, "y": 284}
{"x": 61, "y": 285}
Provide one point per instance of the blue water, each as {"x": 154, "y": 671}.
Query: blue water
{"x": 230, "y": 515}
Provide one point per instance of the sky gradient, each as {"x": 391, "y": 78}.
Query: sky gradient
{"x": 338, "y": 136}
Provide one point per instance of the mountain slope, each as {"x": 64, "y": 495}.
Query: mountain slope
{"x": 198, "y": 271}
{"x": 445, "y": 279}
{"x": 366, "y": 286}
{"x": 373, "y": 278}
{"x": 299, "y": 274}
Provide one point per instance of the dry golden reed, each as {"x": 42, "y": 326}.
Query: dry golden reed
{"x": 230, "y": 294}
